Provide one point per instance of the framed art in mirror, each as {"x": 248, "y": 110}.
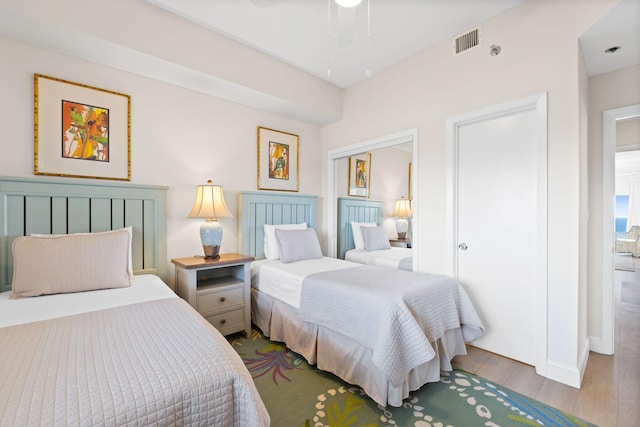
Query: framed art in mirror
{"x": 360, "y": 175}
{"x": 81, "y": 131}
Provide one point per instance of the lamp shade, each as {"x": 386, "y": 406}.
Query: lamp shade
{"x": 402, "y": 210}
{"x": 210, "y": 205}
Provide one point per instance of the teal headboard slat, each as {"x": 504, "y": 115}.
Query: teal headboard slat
{"x": 259, "y": 208}
{"x": 61, "y": 206}
{"x": 358, "y": 210}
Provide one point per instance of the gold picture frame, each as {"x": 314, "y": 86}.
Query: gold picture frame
{"x": 278, "y": 160}
{"x": 360, "y": 175}
{"x": 80, "y": 131}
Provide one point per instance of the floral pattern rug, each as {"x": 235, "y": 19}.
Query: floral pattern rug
{"x": 298, "y": 395}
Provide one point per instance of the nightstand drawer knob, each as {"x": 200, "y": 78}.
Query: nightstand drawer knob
{"x": 223, "y": 299}
{"x": 223, "y": 321}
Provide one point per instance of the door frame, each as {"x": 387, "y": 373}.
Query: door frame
{"x": 609, "y": 119}
{"x": 402, "y": 137}
{"x": 537, "y": 102}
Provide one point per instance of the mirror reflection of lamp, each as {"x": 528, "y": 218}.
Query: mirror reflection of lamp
{"x": 402, "y": 211}
{"x": 210, "y": 205}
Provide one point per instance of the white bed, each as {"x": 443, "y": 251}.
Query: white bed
{"x": 129, "y": 356}
{"x": 76, "y": 351}
{"x": 281, "y": 301}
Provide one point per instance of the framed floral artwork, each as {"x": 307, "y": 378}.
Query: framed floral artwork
{"x": 278, "y": 155}
{"x": 360, "y": 175}
{"x": 81, "y": 131}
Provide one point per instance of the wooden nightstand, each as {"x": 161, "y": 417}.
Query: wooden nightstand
{"x": 218, "y": 288}
{"x": 406, "y": 243}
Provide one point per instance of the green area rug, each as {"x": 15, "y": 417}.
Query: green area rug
{"x": 298, "y": 395}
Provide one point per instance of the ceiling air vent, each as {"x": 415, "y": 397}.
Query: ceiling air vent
{"x": 467, "y": 41}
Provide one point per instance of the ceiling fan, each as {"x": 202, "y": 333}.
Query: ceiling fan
{"x": 268, "y": 3}
{"x": 343, "y": 16}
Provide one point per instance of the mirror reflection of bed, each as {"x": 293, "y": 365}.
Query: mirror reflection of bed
{"x": 363, "y": 239}
{"x": 384, "y": 215}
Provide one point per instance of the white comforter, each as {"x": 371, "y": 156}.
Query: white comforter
{"x": 398, "y": 314}
{"x": 120, "y": 357}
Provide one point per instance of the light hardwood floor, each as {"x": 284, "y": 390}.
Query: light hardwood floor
{"x": 610, "y": 392}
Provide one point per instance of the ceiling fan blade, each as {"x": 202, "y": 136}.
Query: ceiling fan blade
{"x": 346, "y": 24}
{"x": 266, "y": 3}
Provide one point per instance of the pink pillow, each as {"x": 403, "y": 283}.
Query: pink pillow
{"x": 70, "y": 263}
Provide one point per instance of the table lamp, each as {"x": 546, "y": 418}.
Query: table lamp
{"x": 210, "y": 205}
{"x": 402, "y": 211}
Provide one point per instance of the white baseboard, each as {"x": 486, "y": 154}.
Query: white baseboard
{"x": 583, "y": 359}
{"x": 595, "y": 344}
{"x": 569, "y": 375}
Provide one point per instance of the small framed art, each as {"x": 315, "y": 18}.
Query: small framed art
{"x": 360, "y": 175}
{"x": 81, "y": 131}
{"x": 278, "y": 155}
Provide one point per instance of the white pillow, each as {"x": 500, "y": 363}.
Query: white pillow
{"x": 271, "y": 250}
{"x": 375, "y": 238}
{"x": 298, "y": 245}
{"x": 127, "y": 229}
{"x": 357, "y": 233}
{"x": 70, "y": 263}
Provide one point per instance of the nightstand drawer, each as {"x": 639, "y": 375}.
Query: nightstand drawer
{"x": 229, "y": 321}
{"x": 219, "y": 289}
{"x": 213, "y": 299}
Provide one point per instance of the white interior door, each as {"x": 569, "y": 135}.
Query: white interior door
{"x": 498, "y": 228}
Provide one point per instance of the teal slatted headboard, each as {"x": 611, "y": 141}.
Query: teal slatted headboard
{"x": 62, "y": 206}
{"x": 257, "y": 209}
{"x": 355, "y": 210}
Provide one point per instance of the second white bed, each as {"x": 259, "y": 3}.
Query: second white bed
{"x": 276, "y": 291}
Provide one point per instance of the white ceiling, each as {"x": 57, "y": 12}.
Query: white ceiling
{"x": 332, "y": 42}
{"x": 297, "y": 31}
{"x": 620, "y": 27}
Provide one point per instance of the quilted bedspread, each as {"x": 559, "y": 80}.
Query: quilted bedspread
{"x": 396, "y": 313}
{"x": 151, "y": 363}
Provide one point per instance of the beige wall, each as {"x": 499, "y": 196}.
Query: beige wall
{"x": 139, "y": 37}
{"x": 628, "y": 133}
{"x": 179, "y": 137}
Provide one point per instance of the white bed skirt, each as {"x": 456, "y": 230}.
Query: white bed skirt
{"x": 336, "y": 353}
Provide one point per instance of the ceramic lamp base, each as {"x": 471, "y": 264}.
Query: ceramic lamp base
{"x": 402, "y": 225}
{"x": 211, "y": 252}
{"x": 211, "y": 238}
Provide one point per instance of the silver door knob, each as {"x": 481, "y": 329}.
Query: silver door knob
{"x": 463, "y": 246}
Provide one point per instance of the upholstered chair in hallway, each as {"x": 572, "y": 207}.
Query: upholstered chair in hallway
{"x": 630, "y": 242}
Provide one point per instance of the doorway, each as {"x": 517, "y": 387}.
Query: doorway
{"x": 609, "y": 121}
{"x": 498, "y": 206}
